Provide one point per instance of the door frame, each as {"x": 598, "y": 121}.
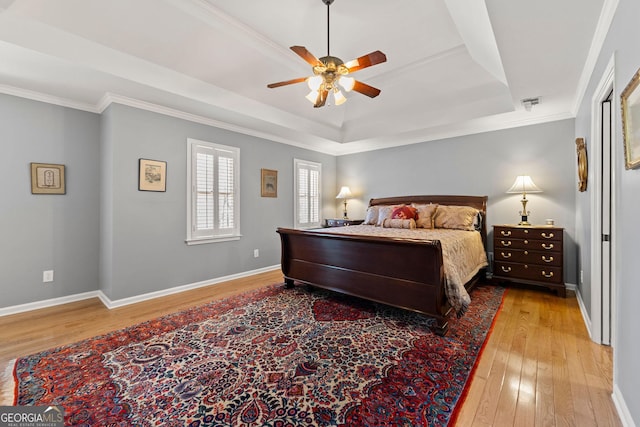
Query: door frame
{"x": 604, "y": 88}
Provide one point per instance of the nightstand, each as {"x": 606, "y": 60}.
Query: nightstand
{"x": 340, "y": 222}
{"x": 529, "y": 254}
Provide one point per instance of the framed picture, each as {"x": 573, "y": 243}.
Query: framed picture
{"x": 268, "y": 183}
{"x": 630, "y": 100}
{"x": 47, "y": 178}
{"x": 152, "y": 175}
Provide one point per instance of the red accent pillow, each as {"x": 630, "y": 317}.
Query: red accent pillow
{"x": 404, "y": 212}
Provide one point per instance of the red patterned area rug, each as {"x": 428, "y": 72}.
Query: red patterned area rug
{"x": 271, "y": 357}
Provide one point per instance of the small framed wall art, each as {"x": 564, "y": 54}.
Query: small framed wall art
{"x": 268, "y": 183}
{"x": 152, "y": 175}
{"x": 47, "y": 178}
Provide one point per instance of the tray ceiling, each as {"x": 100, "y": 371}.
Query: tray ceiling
{"x": 453, "y": 66}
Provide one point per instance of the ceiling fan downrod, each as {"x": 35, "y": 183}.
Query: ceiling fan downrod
{"x": 328, "y": 3}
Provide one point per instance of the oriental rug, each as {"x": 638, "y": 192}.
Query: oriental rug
{"x": 271, "y": 357}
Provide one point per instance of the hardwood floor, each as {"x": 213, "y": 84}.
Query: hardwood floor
{"x": 539, "y": 367}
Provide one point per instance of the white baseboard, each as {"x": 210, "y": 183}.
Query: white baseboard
{"x": 6, "y": 311}
{"x": 152, "y": 295}
{"x": 15, "y": 309}
{"x": 585, "y": 313}
{"x": 621, "y": 406}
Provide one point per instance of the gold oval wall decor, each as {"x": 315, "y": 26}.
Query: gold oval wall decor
{"x": 581, "y": 149}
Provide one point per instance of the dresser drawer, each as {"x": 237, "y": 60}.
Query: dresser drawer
{"x": 528, "y": 257}
{"x": 535, "y": 272}
{"x": 529, "y": 244}
{"x": 542, "y": 233}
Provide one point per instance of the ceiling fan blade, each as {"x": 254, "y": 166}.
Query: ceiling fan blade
{"x": 322, "y": 98}
{"x": 365, "y": 61}
{"x": 288, "y": 82}
{"x": 365, "y": 89}
{"x": 306, "y": 55}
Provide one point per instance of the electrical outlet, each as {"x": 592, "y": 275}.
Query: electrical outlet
{"x": 47, "y": 276}
{"x": 256, "y": 253}
{"x": 581, "y": 277}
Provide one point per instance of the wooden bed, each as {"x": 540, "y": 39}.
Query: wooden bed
{"x": 403, "y": 273}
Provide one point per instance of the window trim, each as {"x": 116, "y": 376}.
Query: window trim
{"x": 297, "y": 165}
{"x": 192, "y": 239}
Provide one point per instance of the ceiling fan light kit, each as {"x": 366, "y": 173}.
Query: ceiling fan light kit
{"x": 330, "y": 74}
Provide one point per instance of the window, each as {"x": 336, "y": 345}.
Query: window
{"x": 308, "y": 176}
{"x": 213, "y": 193}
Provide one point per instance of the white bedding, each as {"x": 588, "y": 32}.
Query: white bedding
{"x": 462, "y": 251}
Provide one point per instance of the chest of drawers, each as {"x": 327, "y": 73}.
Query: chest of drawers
{"x": 531, "y": 255}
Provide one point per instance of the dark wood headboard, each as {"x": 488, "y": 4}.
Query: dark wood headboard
{"x": 478, "y": 202}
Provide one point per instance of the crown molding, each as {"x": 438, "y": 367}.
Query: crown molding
{"x": 111, "y": 98}
{"x": 48, "y": 99}
{"x": 482, "y": 125}
{"x": 602, "y": 29}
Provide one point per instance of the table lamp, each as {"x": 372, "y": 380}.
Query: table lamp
{"x": 344, "y": 194}
{"x": 524, "y": 184}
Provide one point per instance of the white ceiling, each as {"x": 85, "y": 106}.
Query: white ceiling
{"x": 453, "y": 66}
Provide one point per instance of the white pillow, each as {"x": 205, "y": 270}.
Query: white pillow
{"x": 385, "y": 212}
{"x": 371, "y": 218}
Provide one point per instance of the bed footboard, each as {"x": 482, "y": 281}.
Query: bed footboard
{"x": 407, "y": 274}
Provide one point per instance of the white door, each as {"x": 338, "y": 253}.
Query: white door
{"x": 605, "y": 219}
{"x": 603, "y": 195}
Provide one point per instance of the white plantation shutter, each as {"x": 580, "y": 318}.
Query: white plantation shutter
{"x": 213, "y": 205}
{"x": 307, "y": 193}
{"x": 204, "y": 191}
{"x": 225, "y": 193}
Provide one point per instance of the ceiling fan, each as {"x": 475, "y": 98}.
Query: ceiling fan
{"x": 330, "y": 72}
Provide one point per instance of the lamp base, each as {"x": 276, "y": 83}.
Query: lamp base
{"x": 524, "y": 220}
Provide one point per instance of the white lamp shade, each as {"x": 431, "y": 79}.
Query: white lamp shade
{"x": 347, "y": 83}
{"x": 312, "y": 96}
{"x": 344, "y": 193}
{"x": 314, "y": 82}
{"x": 339, "y": 98}
{"x": 524, "y": 184}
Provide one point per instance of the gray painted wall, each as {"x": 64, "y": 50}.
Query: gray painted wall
{"x": 621, "y": 40}
{"x": 481, "y": 164}
{"x": 104, "y": 233}
{"x": 44, "y": 232}
{"x": 146, "y": 231}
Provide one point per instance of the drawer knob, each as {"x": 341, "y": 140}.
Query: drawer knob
{"x": 547, "y": 236}
{"x": 526, "y": 252}
{"x": 545, "y": 259}
{"x": 507, "y": 243}
{"x": 547, "y": 275}
{"x": 526, "y": 231}
{"x": 506, "y": 269}
{"x": 506, "y": 233}
{"x": 507, "y": 255}
{"x": 549, "y": 246}
{"x": 526, "y": 242}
